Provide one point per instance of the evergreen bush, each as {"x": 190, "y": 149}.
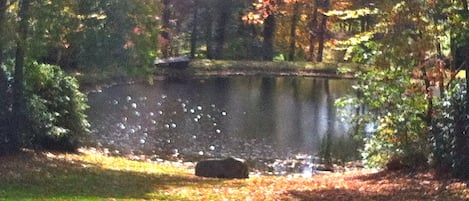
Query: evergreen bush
{"x": 450, "y": 128}
{"x": 56, "y": 109}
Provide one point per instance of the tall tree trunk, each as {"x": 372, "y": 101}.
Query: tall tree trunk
{"x": 164, "y": 38}
{"x": 18, "y": 87}
{"x": 294, "y": 23}
{"x": 3, "y": 81}
{"x": 268, "y": 34}
{"x": 166, "y": 16}
{"x": 4, "y": 103}
{"x": 209, "y": 36}
{"x": 313, "y": 32}
{"x": 466, "y": 59}
{"x": 5, "y": 126}
{"x": 194, "y": 34}
{"x": 3, "y": 8}
{"x": 220, "y": 30}
{"x": 323, "y": 31}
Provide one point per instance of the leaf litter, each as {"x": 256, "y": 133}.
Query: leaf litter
{"x": 50, "y": 173}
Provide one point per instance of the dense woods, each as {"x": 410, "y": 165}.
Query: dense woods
{"x": 412, "y": 105}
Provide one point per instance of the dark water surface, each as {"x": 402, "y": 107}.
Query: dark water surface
{"x": 247, "y": 117}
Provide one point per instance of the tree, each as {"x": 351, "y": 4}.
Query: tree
{"x": 27, "y": 119}
{"x": 313, "y": 31}
{"x": 413, "y": 50}
{"x": 399, "y": 104}
{"x": 4, "y": 105}
{"x": 3, "y": 9}
{"x": 18, "y": 110}
{"x": 291, "y": 54}
{"x": 451, "y": 136}
{"x": 322, "y": 30}
{"x": 265, "y": 13}
{"x": 194, "y": 32}
{"x": 268, "y": 35}
{"x": 224, "y": 16}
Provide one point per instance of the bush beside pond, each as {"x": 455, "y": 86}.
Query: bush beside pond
{"x": 57, "y": 108}
{"x": 54, "y": 113}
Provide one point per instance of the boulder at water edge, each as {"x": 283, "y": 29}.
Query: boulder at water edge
{"x": 222, "y": 168}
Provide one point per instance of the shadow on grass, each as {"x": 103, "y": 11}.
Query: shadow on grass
{"x": 388, "y": 186}
{"x": 31, "y": 176}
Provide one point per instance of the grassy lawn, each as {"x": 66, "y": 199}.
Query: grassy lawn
{"x": 298, "y": 68}
{"x": 93, "y": 176}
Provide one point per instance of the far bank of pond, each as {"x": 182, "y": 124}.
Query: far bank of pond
{"x": 203, "y": 68}
{"x": 278, "y": 68}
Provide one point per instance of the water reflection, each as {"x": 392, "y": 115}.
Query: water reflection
{"x": 247, "y": 117}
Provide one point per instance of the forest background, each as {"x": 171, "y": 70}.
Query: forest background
{"x": 411, "y": 54}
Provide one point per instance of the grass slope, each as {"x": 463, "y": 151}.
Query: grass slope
{"x": 93, "y": 176}
{"x": 298, "y": 68}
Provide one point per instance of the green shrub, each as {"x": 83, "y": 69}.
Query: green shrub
{"x": 56, "y": 109}
{"x": 450, "y": 129}
{"x": 399, "y": 128}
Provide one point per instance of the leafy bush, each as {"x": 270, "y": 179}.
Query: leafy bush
{"x": 394, "y": 110}
{"x": 56, "y": 109}
{"x": 450, "y": 131}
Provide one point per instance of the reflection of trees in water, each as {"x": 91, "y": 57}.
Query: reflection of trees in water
{"x": 245, "y": 116}
{"x": 340, "y": 147}
{"x": 298, "y": 108}
{"x": 327, "y": 139}
{"x": 316, "y": 96}
{"x": 266, "y": 104}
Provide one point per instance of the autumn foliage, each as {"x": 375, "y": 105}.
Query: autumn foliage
{"x": 410, "y": 91}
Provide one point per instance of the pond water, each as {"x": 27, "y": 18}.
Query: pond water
{"x": 246, "y": 117}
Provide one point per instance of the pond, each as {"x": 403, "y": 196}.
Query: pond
{"x": 248, "y": 117}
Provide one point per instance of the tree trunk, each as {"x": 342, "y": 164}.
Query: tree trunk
{"x": 466, "y": 59}
{"x": 291, "y": 54}
{"x": 312, "y": 32}
{"x": 19, "y": 120}
{"x": 428, "y": 90}
{"x": 220, "y": 30}
{"x": 209, "y": 36}
{"x": 3, "y": 8}
{"x": 5, "y": 115}
{"x": 195, "y": 23}
{"x": 164, "y": 38}
{"x": 322, "y": 32}
{"x": 166, "y": 14}
{"x": 4, "y": 103}
{"x": 268, "y": 33}
{"x": 461, "y": 139}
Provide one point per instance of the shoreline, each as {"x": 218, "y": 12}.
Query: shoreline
{"x": 90, "y": 81}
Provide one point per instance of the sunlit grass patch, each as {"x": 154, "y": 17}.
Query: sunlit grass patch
{"x": 95, "y": 176}
{"x": 50, "y": 176}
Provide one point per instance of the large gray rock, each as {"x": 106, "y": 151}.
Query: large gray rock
{"x": 222, "y": 168}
